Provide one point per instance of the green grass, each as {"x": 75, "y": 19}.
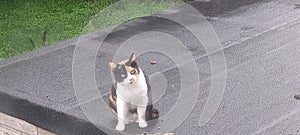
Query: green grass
{"x": 30, "y": 24}
{"x": 126, "y": 10}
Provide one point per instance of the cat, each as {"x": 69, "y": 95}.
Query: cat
{"x": 130, "y": 98}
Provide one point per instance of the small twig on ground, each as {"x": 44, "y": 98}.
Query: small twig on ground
{"x": 44, "y": 38}
{"x": 32, "y": 44}
{"x": 146, "y": 133}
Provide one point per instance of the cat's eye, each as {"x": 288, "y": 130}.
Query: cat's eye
{"x": 132, "y": 72}
{"x": 122, "y": 75}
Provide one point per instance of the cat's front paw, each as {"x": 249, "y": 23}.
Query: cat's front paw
{"x": 120, "y": 127}
{"x": 143, "y": 124}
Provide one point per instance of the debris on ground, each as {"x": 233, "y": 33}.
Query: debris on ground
{"x": 147, "y": 133}
{"x": 153, "y": 62}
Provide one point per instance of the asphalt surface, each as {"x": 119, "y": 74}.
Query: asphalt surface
{"x": 260, "y": 43}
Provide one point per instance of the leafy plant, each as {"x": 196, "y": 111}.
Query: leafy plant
{"x": 23, "y": 22}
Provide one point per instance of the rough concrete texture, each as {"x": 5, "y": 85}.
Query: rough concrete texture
{"x": 261, "y": 46}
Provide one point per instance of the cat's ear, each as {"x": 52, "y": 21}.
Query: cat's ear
{"x": 132, "y": 58}
{"x": 112, "y": 65}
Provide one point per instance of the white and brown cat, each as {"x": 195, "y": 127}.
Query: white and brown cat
{"x": 130, "y": 98}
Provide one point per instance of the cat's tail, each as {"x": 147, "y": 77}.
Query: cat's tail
{"x": 113, "y": 104}
{"x": 151, "y": 113}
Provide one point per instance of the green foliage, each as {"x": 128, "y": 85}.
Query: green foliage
{"x": 126, "y": 10}
{"x": 29, "y": 24}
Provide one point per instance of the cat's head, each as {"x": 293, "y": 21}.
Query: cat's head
{"x": 125, "y": 72}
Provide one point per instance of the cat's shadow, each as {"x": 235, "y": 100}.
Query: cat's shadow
{"x": 133, "y": 128}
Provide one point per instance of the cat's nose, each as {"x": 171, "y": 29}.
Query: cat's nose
{"x": 131, "y": 80}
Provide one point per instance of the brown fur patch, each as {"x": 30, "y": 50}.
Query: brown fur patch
{"x": 131, "y": 70}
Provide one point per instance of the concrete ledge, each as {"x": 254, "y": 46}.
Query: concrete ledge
{"x": 54, "y": 121}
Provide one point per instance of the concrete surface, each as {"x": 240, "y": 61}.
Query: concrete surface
{"x": 216, "y": 7}
{"x": 261, "y": 45}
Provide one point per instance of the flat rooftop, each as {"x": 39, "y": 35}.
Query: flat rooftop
{"x": 260, "y": 45}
